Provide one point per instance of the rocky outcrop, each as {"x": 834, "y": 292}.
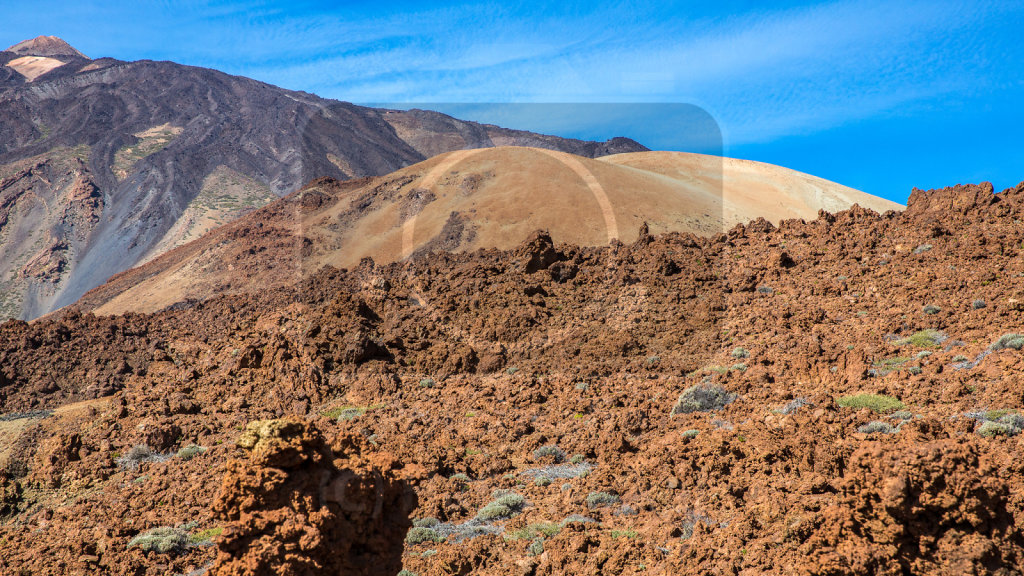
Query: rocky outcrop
{"x": 299, "y": 507}
{"x": 865, "y": 434}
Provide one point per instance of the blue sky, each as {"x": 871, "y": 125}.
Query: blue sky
{"x": 879, "y": 95}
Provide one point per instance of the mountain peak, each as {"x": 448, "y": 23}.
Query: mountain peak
{"x": 45, "y": 46}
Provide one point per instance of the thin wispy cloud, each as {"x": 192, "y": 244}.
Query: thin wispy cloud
{"x": 791, "y": 70}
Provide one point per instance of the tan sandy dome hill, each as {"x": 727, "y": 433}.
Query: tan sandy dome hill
{"x": 472, "y": 199}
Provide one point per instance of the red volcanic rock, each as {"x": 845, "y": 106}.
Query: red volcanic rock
{"x": 296, "y": 507}
{"x": 924, "y": 507}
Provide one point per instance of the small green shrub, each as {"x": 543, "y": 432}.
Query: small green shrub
{"x": 191, "y": 451}
{"x": 1008, "y": 341}
{"x": 536, "y": 547}
{"x": 427, "y": 383}
{"x": 598, "y": 499}
{"x": 702, "y": 398}
{"x": 576, "y": 458}
{"x": 877, "y": 427}
{"x": 739, "y": 367}
{"x": 914, "y": 370}
{"x": 922, "y": 248}
{"x": 542, "y": 481}
{"x": 535, "y": 530}
{"x": 205, "y": 536}
{"x": 420, "y": 534}
{"x": 991, "y": 429}
{"x": 505, "y": 505}
{"x": 978, "y": 304}
{"x": 931, "y": 309}
{"x": 923, "y": 354}
{"x": 428, "y": 522}
{"x": 690, "y": 433}
{"x": 404, "y": 572}
{"x": 549, "y": 452}
{"x": 960, "y": 358}
{"x": 877, "y": 402}
{"x": 740, "y": 352}
{"x": 628, "y": 533}
{"x": 924, "y": 339}
{"x": 163, "y": 540}
{"x": 902, "y": 415}
{"x": 511, "y": 370}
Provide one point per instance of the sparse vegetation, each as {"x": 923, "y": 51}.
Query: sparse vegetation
{"x": 137, "y": 455}
{"x": 877, "y": 427}
{"x": 794, "y": 405}
{"x": 1008, "y": 342}
{"x": 598, "y": 499}
{"x": 427, "y": 383}
{"x": 537, "y": 529}
{"x": 923, "y": 339}
{"x": 549, "y": 453}
{"x": 922, "y": 248}
{"x": 978, "y": 304}
{"x": 991, "y": 429}
{"x": 877, "y": 402}
{"x": 348, "y": 413}
{"x": 163, "y": 540}
{"x": 998, "y": 422}
{"x": 739, "y": 352}
{"x": 690, "y": 433}
{"x": 191, "y": 451}
{"x": 205, "y": 537}
{"x": 931, "y": 309}
{"x": 420, "y": 534}
{"x": 504, "y": 505}
{"x": 702, "y": 398}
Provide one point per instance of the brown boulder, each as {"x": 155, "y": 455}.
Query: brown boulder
{"x": 298, "y": 507}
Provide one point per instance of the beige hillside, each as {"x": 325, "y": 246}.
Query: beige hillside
{"x": 469, "y": 199}
{"x": 32, "y": 67}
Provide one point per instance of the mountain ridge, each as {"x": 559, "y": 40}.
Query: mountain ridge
{"x": 469, "y": 200}
{"x": 108, "y": 114}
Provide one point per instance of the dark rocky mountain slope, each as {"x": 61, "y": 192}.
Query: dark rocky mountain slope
{"x": 105, "y": 164}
